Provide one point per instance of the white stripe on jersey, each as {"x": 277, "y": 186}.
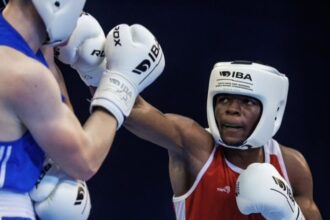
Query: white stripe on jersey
{"x": 3, "y": 164}
{"x": 14, "y": 204}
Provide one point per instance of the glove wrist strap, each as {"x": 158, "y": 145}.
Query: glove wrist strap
{"x": 116, "y": 94}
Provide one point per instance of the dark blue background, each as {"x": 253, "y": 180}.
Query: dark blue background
{"x": 291, "y": 35}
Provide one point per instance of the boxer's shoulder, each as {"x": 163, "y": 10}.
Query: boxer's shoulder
{"x": 15, "y": 63}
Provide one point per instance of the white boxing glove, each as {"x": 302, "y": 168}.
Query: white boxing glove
{"x": 57, "y": 196}
{"x": 134, "y": 60}
{"x": 261, "y": 189}
{"x": 84, "y": 50}
{"x": 48, "y": 179}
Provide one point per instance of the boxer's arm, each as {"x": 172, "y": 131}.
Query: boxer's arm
{"x": 302, "y": 182}
{"x": 174, "y": 132}
{"x": 79, "y": 150}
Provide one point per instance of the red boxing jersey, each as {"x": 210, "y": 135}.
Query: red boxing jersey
{"x": 212, "y": 196}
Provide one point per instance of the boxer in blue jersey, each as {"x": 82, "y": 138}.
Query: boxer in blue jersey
{"x": 35, "y": 122}
{"x": 34, "y": 119}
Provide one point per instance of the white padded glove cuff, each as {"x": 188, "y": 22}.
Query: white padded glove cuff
{"x": 116, "y": 94}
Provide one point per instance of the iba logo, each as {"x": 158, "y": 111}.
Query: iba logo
{"x": 237, "y": 75}
{"x": 284, "y": 187}
{"x": 146, "y": 63}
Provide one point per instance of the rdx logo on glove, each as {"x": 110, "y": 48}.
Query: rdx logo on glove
{"x": 145, "y": 64}
{"x": 43, "y": 173}
{"x": 116, "y": 36}
{"x": 98, "y": 53}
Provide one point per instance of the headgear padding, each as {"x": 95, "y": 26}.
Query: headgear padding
{"x": 60, "y": 17}
{"x": 258, "y": 81}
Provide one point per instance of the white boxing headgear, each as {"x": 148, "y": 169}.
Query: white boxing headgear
{"x": 60, "y": 17}
{"x": 258, "y": 81}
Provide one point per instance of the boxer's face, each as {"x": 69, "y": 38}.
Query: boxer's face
{"x": 237, "y": 116}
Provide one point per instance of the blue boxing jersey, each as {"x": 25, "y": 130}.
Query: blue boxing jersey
{"x": 20, "y": 163}
{"x": 20, "y": 160}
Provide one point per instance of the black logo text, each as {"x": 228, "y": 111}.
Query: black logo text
{"x": 238, "y": 75}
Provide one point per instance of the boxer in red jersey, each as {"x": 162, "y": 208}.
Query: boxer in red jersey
{"x": 235, "y": 169}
